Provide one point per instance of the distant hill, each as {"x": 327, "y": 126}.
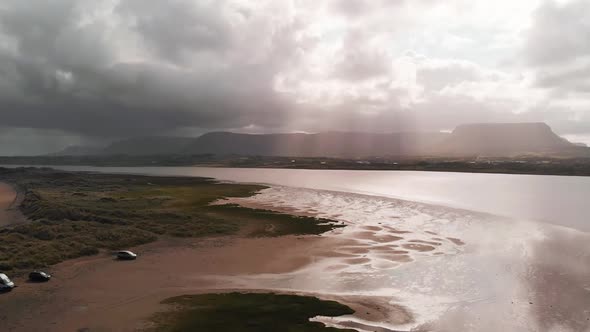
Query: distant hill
{"x": 332, "y": 144}
{"x": 77, "y": 150}
{"x": 496, "y": 139}
{"x": 150, "y": 145}
{"x": 136, "y": 146}
{"x": 502, "y": 139}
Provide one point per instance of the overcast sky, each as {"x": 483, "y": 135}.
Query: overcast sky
{"x": 88, "y": 71}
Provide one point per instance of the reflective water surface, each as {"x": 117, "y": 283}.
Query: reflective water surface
{"x": 559, "y": 200}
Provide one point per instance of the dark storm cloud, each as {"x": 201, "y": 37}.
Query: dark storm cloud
{"x": 115, "y": 68}
{"x": 175, "y": 29}
{"x": 69, "y": 70}
{"x": 24, "y": 141}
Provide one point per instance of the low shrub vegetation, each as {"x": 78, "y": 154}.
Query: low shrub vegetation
{"x": 242, "y": 312}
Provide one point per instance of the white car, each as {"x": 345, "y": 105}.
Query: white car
{"x": 5, "y": 283}
{"x": 126, "y": 255}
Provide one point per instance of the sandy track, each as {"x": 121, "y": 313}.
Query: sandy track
{"x": 102, "y": 294}
{"x": 9, "y": 201}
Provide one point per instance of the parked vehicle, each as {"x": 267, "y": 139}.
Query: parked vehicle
{"x": 39, "y": 276}
{"x": 5, "y": 283}
{"x": 126, "y": 255}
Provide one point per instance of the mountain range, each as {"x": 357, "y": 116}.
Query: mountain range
{"x": 496, "y": 139}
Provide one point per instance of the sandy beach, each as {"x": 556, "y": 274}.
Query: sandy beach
{"x": 103, "y": 294}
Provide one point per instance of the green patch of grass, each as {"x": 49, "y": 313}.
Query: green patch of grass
{"x": 247, "y": 312}
{"x": 44, "y": 242}
{"x": 77, "y": 214}
{"x": 270, "y": 223}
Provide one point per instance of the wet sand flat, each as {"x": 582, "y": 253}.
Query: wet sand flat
{"x": 102, "y": 294}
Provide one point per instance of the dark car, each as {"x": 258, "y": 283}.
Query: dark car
{"x": 5, "y": 283}
{"x": 39, "y": 276}
{"x": 126, "y": 255}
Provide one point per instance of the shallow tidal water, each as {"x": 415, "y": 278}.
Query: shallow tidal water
{"x": 452, "y": 269}
{"x": 560, "y": 200}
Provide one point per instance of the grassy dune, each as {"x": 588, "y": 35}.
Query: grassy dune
{"x": 77, "y": 214}
{"x": 238, "y": 312}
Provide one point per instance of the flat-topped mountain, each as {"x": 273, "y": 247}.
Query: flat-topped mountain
{"x": 502, "y": 139}
{"x": 493, "y": 139}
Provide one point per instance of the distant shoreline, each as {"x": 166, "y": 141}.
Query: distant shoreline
{"x": 525, "y": 166}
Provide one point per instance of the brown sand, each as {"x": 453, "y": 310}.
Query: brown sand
{"x": 372, "y": 228}
{"x": 380, "y": 238}
{"x": 418, "y": 247}
{"x": 426, "y": 242}
{"x": 395, "y": 230}
{"x": 456, "y": 241}
{"x": 357, "y": 261}
{"x": 400, "y": 258}
{"x": 355, "y": 250}
{"x": 398, "y": 252}
{"x": 101, "y": 294}
{"x": 9, "y": 201}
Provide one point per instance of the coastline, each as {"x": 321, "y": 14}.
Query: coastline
{"x": 523, "y": 165}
